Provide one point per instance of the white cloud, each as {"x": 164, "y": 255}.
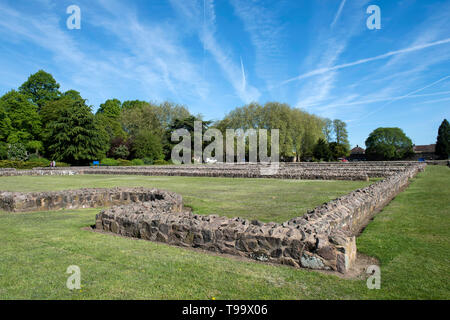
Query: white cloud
{"x": 266, "y": 33}
{"x": 192, "y": 11}
{"x": 150, "y": 57}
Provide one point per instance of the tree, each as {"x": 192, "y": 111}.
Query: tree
{"x": 131, "y": 104}
{"x": 51, "y": 111}
{"x": 328, "y": 130}
{"x": 141, "y": 116}
{"x": 298, "y": 129}
{"x": 147, "y": 145}
{"x": 168, "y": 112}
{"x": 108, "y": 116}
{"x": 340, "y": 131}
{"x": 5, "y": 123}
{"x": 40, "y": 88}
{"x": 388, "y": 144}
{"x": 3, "y": 150}
{"x": 121, "y": 152}
{"x": 111, "y": 108}
{"x": 72, "y": 94}
{"x": 443, "y": 140}
{"x": 188, "y": 124}
{"x": 17, "y": 152}
{"x": 20, "y": 119}
{"x": 338, "y": 150}
{"x": 76, "y": 137}
{"x": 322, "y": 150}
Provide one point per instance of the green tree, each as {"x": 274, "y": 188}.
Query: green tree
{"x": 3, "y": 150}
{"x": 5, "y": 123}
{"x": 121, "y": 152}
{"x": 108, "y": 116}
{"x": 20, "y": 119}
{"x": 443, "y": 140}
{"x": 40, "y": 88}
{"x": 298, "y": 129}
{"x": 72, "y": 94}
{"x": 147, "y": 145}
{"x": 328, "y": 129}
{"x": 338, "y": 150}
{"x": 168, "y": 112}
{"x": 185, "y": 123}
{"x": 388, "y": 144}
{"x": 110, "y": 108}
{"x": 76, "y": 136}
{"x": 322, "y": 151}
{"x": 131, "y": 104}
{"x": 17, "y": 152}
{"x": 140, "y": 117}
{"x": 340, "y": 131}
{"x": 51, "y": 111}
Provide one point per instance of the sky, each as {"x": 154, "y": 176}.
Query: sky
{"x": 215, "y": 55}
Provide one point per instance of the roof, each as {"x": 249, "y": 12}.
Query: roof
{"x": 357, "y": 150}
{"x": 431, "y": 148}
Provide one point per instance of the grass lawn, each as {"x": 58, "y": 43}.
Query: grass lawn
{"x": 263, "y": 199}
{"x": 410, "y": 237}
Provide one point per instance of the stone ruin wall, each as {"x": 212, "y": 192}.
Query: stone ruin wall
{"x": 310, "y": 171}
{"x": 323, "y": 238}
{"x": 86, "y": 198}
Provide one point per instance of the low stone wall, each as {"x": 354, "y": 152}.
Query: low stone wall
{"x": 307, "y": 171}
{"x": 439, "y": 162}
{"x": 86, "y": 198}
{"x": 39, "y": 172}
{"x": 323, "y": 238}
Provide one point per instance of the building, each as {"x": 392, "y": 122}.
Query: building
{"x": 357, "y": 154}
{"x": 427, "y": 152}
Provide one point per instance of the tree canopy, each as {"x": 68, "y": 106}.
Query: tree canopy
{"x": 388, "y": 144}
{"x": 40, "y": 88}
{"x": 443, "y": 140}
{"x": 76, "y": 137}
{"x": 42, "y": 120}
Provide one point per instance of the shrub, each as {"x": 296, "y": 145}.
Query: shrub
{"x": 62, "y": 164}
{"x": 162, "y": 162}
{"x": 123, "y": 162}
{"x": 137, "y": 162}
{"x": 147, "y": 144}
{"x": 109, "y": 162}
{"x": 121, "y": 152}
{"x": 147, "y": 160}
{"x": 3, "y": 150}
{"x": 28, "y": 164}
{"x": 17, "y": 152}
{"x": 42, "y": 161}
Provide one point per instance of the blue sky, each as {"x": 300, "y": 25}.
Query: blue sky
{"x": 213, "y": 56}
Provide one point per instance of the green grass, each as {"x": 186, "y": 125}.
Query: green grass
{"x": 263, "y": 199}
{"x": 410, "y": 237}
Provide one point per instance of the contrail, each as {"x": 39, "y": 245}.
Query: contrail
{"x": 327, "y": 106}
{"x": 402, "y": 97}
{"x": 338, "y": 13}
{"x": 244, "y": 81}
{"x": 361, "y": 61}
